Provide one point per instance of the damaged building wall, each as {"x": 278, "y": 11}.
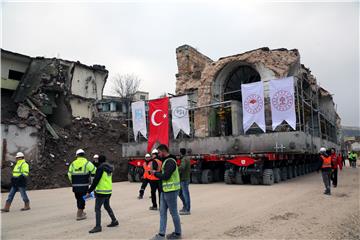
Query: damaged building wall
{"x": 17, "y": 138}
{"x": 82, "y": 107}
{"x": 13, "y": 67}
{"x": 87, "y": 86}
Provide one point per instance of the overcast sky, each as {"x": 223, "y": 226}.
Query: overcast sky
{"x": 140, "y": 37}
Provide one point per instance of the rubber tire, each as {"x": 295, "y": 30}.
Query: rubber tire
{"x": 130, "y": 177}
{"x": 195, "y": 178}
{"x": 283, "y": 175}
{"x": 227, "y": 178}
{"x": 302, "y": 169}
{"x": 290, "y": 172}
{"x": 254, "y": 180}
{"x": 268, "y": 177}
{"x": 277, "y": 177}
{"x": 216, "y": 175}
{"x": 238, "y": 178}
{"x": 295, "y": 171}
{"x": 207, "y": 176}
{"x": 137, "y": 177}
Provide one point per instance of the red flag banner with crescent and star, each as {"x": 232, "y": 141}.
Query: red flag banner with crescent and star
{"x": 158, "y": 122}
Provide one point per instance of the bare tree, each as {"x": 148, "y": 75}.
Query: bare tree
{"x": 126, "y": 85}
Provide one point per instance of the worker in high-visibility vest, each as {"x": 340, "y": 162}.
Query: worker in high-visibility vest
{"x": 154, "y": 164}
{"x": 18, "y": 182}
{"x": 79, "y": 175}
{"x": 102, "y": 185}
{"x": 170, "y": 183}
{"x": 325, "y": 166}
{"x": 145, "y": 179}
{"x": 336, "y": 163}
{"x": 352, "y": 159}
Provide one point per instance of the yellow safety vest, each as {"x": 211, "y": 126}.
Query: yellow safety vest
{"x": 21, "y": 168}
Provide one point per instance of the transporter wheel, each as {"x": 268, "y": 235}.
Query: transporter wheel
{"x": 268, "y": 177}
{"x": 302, "y": 169}
{"x": 283, "y": 172}
{"x": 306, "y": 169}
{"x": 137, "y": 177}
{"x": 207, "y": 176}
{"x": 227, "y": 178}
{"x": 295, "y": 171}
{"x": 217, "y": 176}
{"x": 290, "y": 172}
{"x": 254, "y": 179}
{"x": 239, "y": 178}
{"x": 195, "y": 178}
{"x": 130, "y": 177}
{"x": 277, "y": 177}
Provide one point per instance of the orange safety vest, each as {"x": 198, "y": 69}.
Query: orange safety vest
{"x": 326, "y": 162}
{"x": 146, "y": 171}
{"x": 152, "y": 176}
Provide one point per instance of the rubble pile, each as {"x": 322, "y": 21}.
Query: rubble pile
{"x": 55, "y": 154}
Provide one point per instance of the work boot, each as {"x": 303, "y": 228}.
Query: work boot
{"x": 81, "y": 215}
{"x": 7, "y": 207}
{"x": 113, "y": 224}
{"x": 184, "y": 212}
{"x": 153, "y": 208}
{"x": 158, "y": 237}
{"x": 140, "y": 197}
{"x": 173, "y": 235}
{"x": 26, "y": 206}
{"x": 95, "y": 229}
{"x": 327, "y": 192}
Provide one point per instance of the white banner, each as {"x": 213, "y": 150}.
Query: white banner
{"x": 282, "y": 100}
{"x": 138, "y": 118}
{"x": 180, "y": 115}
{"x": 253, "y": 105}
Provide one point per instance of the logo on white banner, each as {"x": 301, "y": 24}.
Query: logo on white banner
{"x": 253, "y": 104}
{"x": 180, "y": 115}
{"x": 180, "y": 112}
{"x": 282, "y": 100}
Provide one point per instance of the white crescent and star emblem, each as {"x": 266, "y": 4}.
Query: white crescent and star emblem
{"x": 153, "y": 117}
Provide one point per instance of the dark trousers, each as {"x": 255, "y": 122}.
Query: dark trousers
{"x": 334, "y": 177}
{"x": 326, "y": 175}
{"x": 143, "y": 187}
{"x": 155, "y": 186}
{"x": 103, "y": 200}
{"x": 80, "y": 200}
{"x": 13, "y": 191}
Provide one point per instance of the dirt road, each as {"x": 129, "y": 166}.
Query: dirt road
{"x": 292, "y": 209}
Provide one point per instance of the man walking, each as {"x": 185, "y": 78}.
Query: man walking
{"x": 18, "y": 182}
{"x": 79, "y": 176}
{"x": 155, "y": 164}
{"x": 325, "y": 166}
{"x": 352, "y": 159}
{"x": 335, "y": 164}
{"x": 170, "y": 182}
{"x": 146, "y": 175}
{"x": 184, "y": 171}
{"x": 103, "y": 189}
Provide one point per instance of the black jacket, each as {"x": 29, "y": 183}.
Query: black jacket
{"x": 103, "y": 167}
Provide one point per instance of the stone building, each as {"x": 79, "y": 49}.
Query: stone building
{"x": 214, "y": 87}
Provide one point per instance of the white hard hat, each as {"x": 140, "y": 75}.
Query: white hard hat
{"x": 147, "y": 155}
{"x": 96, "y": 156}
{"x": 19, "y": 155}
{"x": 79, "y": 151}
{"x": 155, "y": 151}
{"x": 322, "y": 149}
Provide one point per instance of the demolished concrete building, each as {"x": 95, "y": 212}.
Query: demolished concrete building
{"x": 210, "y": 82}
{"x": 49, "y": 108}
